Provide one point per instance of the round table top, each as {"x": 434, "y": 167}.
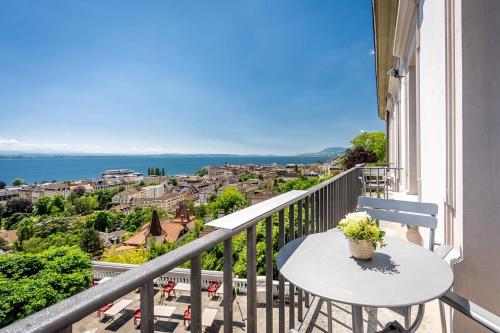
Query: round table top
{"x": 399, "y": 274}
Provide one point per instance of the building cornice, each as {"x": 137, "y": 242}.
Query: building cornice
{"x": 384, "y": 25}
{"x": 405, "y": 28}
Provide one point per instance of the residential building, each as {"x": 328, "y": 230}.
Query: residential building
{"x": 184, "y": 216}
{"x": 55, "y": 189}
{"x": 124, "y": 208}
{"x": 125, "y": 197}
{"x": 167, "y": 202}
{"x": 437, "y": 66}
{"x": 262, "y": 195}
{"x": 159, "y": 231}
{"x": 6, "y": 194}
{"x": 34, "y": 192}
{"x": 153, "y": 191}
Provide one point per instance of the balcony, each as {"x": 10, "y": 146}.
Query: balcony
{"x": 260, "y": 304}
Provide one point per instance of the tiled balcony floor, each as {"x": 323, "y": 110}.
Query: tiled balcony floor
{"x": 315, "y": 318}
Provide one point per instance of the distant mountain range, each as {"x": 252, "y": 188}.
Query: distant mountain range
{"x": 325, "y": 153}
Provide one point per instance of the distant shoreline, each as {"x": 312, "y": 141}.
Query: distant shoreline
{"x": 37, "y": 168}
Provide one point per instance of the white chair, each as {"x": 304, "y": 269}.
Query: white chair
{"x": 411, "y": 213}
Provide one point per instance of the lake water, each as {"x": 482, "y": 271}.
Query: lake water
{"x": 37, "y": 169}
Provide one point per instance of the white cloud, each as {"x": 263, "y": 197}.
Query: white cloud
{"x": 372, "y": 51}
{"x": 13, "y": 144}
{"x": 69, "y": 133}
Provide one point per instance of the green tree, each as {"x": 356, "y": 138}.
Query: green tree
{"x": 25, "y": 231}
{"x": 358, "y": 155}
{"x": 163, "y": 171}
{"x": 371, "y": 141}
{"x": 34, "y": 245}
{"x": 2, "y": 184}
{"x": 229, "y": 200}
{"x": 57, "y": 203}
{"x": 105, "y": 220}
{"x": 31, "y": 282}
{"x": 85, "y": 205}
{"x": 91, "y": 242}
{"x": 199, "y": 211}
{"x": 104, "y": 197}
{"x": 43, "y": 205}
{"x": 202, "y": 172}
{"x": 136, "y": 219}
{"x": 174, "y": 181}
{"x": 297, "y": 184}
{"x": 11, "y": 222}
{"x": 18, "y": 182}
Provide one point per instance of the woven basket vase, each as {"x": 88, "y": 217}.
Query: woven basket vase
{"x": 361, "y": 249}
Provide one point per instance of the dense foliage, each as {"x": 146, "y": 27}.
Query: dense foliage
{"x": 371, "y": 141}
{"x": 301, "y": 183}
{"x": 91, "y": 242}
{"x": 18, "y": 182}
{"x": 152, "y": 171}
{"x": 228, "y": 201}
{"x": 358, "y": 155}
{"x": 202, "y": 172}
{"x": 31, "y": 282}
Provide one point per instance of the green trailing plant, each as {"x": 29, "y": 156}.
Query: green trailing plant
{"x": 360, "y": 226}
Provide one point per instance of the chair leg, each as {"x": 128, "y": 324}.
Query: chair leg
{"x": 408, "y": 317}
{"x": 443, "y": 318}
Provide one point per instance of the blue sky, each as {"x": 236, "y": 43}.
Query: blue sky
{"x": 144, "y": 77}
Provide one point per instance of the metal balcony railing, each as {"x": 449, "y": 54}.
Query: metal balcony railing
{"x": 379, "y": 180}
{"x": 315, "y": 210}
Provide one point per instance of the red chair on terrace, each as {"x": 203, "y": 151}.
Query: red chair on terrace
{"x": 168, "y": 288}
{"x": 137, "y": 316}
{"x": 212, "y": 288}
{"x": 187, "y": 315}
{"x": 103, "y": 309}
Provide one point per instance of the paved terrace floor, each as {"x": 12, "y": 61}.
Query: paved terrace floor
{"x": 315, "y": 317}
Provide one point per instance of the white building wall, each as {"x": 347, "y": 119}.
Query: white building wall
{"x": 470, "y": 94}
{"x": 433, "y": 107}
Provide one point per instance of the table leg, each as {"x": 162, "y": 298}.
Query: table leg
{"x": 357, "y": 319}
{"x": 329, "y": 309}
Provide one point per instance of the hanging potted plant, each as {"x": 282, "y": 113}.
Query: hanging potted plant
{"x": 363, "y": 235}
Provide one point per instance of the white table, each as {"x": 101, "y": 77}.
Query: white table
{"x": 182, "y": 287}
{"x": 164, "y": 311}
{"x": 400, "y": 274}
{"x": 208, "y": 317}
{"x": 117, "y": 308}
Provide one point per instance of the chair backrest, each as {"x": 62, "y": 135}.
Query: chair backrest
{"x": 422, "y": 214}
